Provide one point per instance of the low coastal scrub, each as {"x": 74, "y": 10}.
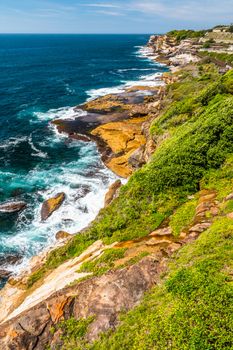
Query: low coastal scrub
{"x": 221, "y": 56}
{"x": 186, "y": 34}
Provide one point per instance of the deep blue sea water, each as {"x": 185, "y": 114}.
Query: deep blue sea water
{"x": 41, "y": 78}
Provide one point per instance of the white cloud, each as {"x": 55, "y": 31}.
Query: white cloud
{"x": 109, "y": 13}
{"x": 103, "y": 5}
{"x": 186, "y": 10}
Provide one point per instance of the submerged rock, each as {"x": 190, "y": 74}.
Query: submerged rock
{"x": 51, "y": 204}
{"x": 12, "y": 207}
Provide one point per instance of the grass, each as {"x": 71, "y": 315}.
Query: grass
{"x": 73, "y": 333}
{"x": 182, "y": 217}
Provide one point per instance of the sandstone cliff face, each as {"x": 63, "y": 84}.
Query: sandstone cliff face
{"x": 123, "y": 138}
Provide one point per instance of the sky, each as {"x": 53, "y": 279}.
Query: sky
{"x": 113, "y": 16}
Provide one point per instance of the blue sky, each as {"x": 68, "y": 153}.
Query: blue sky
{"x": 113, "y": 16}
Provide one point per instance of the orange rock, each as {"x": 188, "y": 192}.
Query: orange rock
{"x": 208, "y": 197}
{"x": 56, "y": 309}
{"x": 123, "y": 138}
{"x": 52, "y": 204}
{"x": 230, "y": 215}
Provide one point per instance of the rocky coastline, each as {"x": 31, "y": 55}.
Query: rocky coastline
{"x": 116, "y": 123}
{"x": 120, "y": 125}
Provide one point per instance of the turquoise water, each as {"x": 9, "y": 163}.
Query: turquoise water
{"x": 42, "y": 78}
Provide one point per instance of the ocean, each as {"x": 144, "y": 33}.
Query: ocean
{"x": 42, "y": 78}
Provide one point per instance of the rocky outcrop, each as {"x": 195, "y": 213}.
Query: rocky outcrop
{"x": 27, "y": 325}
{"x": 62, "y": 235}
{"x": 123, "y": 138}
{"x": 12, "y": 207}
{"x": 112, "y": 192}
{"x": 102, "y": 297}
{"x": 51, "y": 204}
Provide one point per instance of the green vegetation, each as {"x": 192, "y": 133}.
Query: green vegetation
{"x": 224, "y": 57}
{"x": 183, "y": 217}
{"x": 186, "y": 34}
{"x": 193, "y": 308}
{"x": 73, "y": 333}
{"x": 208, "y": 44}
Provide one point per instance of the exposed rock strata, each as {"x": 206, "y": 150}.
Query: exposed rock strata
{"x": 105, "y": 297}
{"x": 114, "y": 122}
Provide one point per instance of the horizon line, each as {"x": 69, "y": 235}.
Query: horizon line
{"x": 33, "y": 33}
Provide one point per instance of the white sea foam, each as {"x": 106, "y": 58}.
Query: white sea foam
{"x": 12, "y": 142}
{"x": 135, "y": 69}
{"x": 94, "y": 93}
{"x": 150, "y": 80}
{"x": 84, "y": 198}
{"x": 69, "y": 90}
{"x": 59, "y": 113}
{"x": 38, "y": 153}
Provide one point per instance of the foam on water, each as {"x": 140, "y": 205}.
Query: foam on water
{"x": 84, "y": 191}
{"x": 150, "y": 80}
{"x": 67, "y": 112}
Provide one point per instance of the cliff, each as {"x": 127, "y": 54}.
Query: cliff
{"x": 167, "y": 232}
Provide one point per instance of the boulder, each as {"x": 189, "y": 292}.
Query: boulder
{"x": 10, "y": 259}
{"x": 112, "y": 192}
{"x": 60, "y": 235}
{"x": 166, "y": 231}
{"x": 12, "y": 207}
{"x": 200, "y": 227}
{"x": 136, "y": 160}
{"x": 51, "y": 204}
